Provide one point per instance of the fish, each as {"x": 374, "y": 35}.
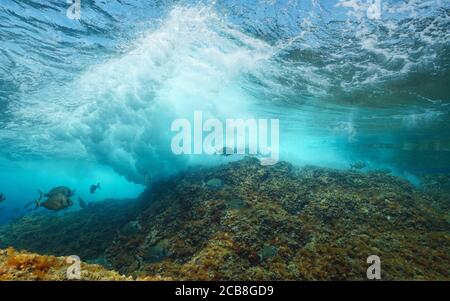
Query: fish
{"x": 94, "y": 187}
{"x": 383, "y": 170}
{"x": 225, "y": 151}
{"x": 2, "y": 197}
{"x": 56, "y": 199}
{"x": 358, "y": 165}
{"x": 81, "y": 203}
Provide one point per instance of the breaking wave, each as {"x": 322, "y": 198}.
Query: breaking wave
{"x": 345, "y": 85}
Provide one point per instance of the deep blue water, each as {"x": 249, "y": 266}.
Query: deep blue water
{"x": 91, "y": 100}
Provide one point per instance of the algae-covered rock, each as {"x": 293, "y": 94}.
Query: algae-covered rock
{"x": 275, "y": 222}
{"x": 268, "y": 252}
{"x": 15, "y": 265}
{"x": 86, "y": 233}
{"x": 286, "y": 223}
{"x": 236, "y": 203}
{"x": 131, "y": 228}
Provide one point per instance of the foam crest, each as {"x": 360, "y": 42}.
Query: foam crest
{"x": 193, "y": 61}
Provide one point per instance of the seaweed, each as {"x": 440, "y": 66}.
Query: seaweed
{"x": 277, "y": 222}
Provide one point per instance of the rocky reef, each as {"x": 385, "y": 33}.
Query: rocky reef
{"x": 15, "y": 265}
{"x": 86, "y": 233}
{"x": 244, "y": 221}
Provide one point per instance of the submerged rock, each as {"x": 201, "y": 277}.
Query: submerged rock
{"x": 15, "y": 265}
{"x": 100, "y": 261}
{"x": 298, "y": 223}
{"x": 86, "y": 233}
{"x": 236, "y": 203}
{"x": 25, "y": 266}
{"x": 275, "y": 222}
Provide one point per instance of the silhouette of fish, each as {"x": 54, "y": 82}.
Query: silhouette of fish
{"x": 94, "y": 188}
{"x": 226, "y": 151}
{"x": 358, "y": 165}
{"x": 2, "y": 197}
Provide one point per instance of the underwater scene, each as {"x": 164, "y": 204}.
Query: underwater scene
{"x": 224, "y": 140}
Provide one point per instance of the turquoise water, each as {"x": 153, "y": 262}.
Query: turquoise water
{"x": 92, "y": 100}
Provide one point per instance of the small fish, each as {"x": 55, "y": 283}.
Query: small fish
{"x": 225, "y": 151}
{"x": 383, "y": 170}
{"x": 56, "y": 199}
{"x": 29, "y": 204}
{"x": 81, "y": 203}
{"x": 358, "y": 165}
{"x": 2, "y": 197}
{"x": 94, "y": 188}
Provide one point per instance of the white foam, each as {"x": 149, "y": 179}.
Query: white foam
{"x": 194, "y": 61}
{"x": 119, "y": 111}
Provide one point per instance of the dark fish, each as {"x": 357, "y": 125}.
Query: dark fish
{"x": 225, "y": 151}
{"x": 2, "y": 197}
{"x": 81, "y": 203}
{"x": 358, "y": 165}
{"x": 56, "y": 199}
{"x": 383, "y": 170}
{"x": 58, "y": 190}
{"x": 94, "y": 188}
